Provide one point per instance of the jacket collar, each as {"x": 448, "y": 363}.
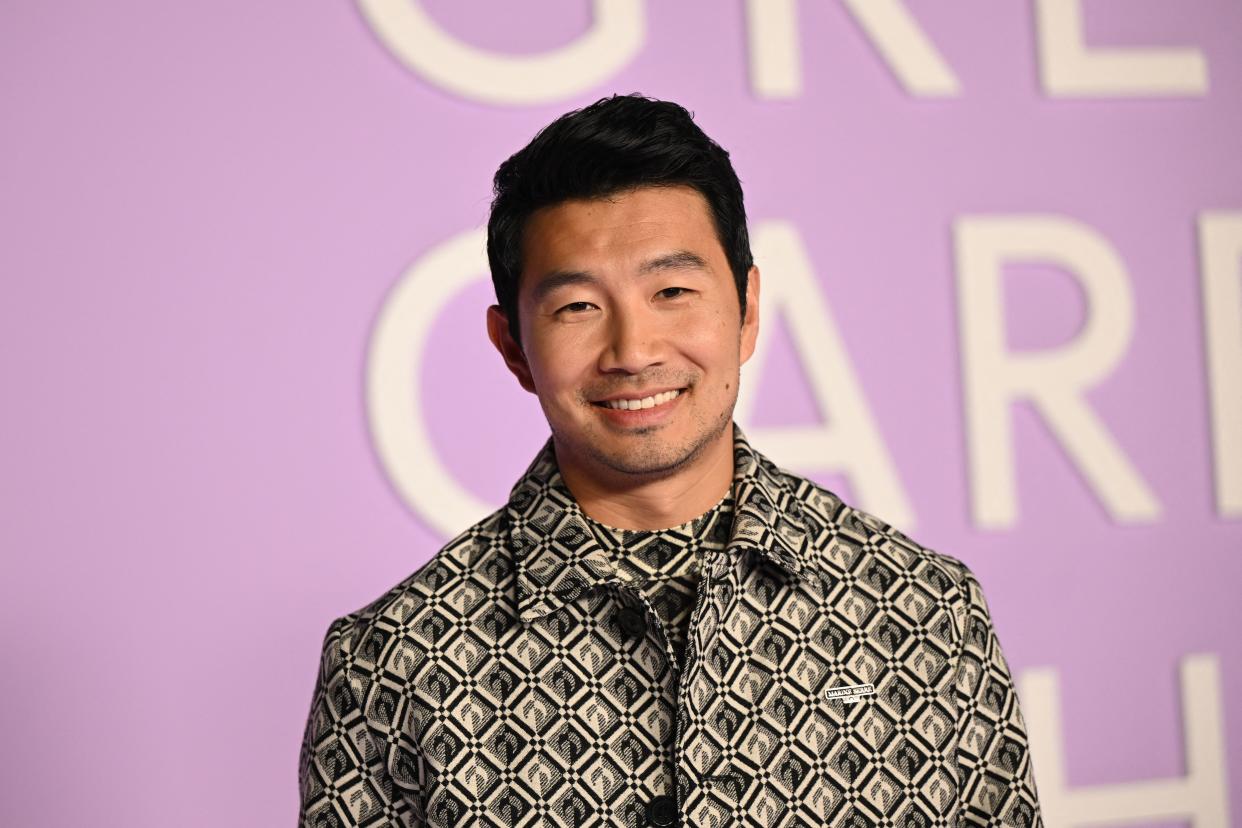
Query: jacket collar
{"x": 557, "y": 557}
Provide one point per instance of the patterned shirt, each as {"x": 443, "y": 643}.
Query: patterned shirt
{"x": 835, "y": 673}
{"x": 663, "y": 566}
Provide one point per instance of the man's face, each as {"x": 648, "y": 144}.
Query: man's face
{"x": 632, "y": 331}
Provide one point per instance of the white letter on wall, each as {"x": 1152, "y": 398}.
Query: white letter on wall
{"x": 1220, "y": 254}
{"x": 394, "y": 382}
{"x": 775, "y": 53}
{"x": 909, "y": 52}
{"x": 851, "y": 444}
{"x": 1054, "y": 380}
{"x": 1069, "y": 68}
{"x": 413, "y": 37}
{"x": 1201, "y": 795}
{"x": 775, "y": 57}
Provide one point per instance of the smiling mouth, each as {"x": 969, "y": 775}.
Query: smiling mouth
{"x": 641, "y": 402}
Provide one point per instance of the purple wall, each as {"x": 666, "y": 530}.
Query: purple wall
{"x": 209, "y": 210}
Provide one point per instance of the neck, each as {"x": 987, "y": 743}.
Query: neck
{"x": 655, "y": 503}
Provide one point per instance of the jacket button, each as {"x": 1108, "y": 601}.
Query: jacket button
{"x": 662, "y": 812}
{"x": 632, "y": 622}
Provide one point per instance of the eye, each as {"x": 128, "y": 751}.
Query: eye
{"x": 575, "y": 307}
{"x": 673, "y": 292}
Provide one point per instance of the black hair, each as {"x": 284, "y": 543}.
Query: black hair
{"x": 616, "y": 144}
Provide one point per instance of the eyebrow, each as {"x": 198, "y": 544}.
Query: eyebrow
{"x": 557, "y": 279}
{"x": 677, "y": 260}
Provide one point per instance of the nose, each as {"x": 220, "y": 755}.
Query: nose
{"x": 634, "y": 342}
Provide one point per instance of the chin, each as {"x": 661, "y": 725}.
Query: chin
{"x": 652, "y": 457}
{"x": 642, "y": 465}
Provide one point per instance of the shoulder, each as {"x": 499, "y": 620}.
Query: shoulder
{"x": 852, "y": 539}
{"x": 456, "y": 585}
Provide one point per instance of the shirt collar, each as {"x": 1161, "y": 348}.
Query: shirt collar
{"x": 557, "y": 557}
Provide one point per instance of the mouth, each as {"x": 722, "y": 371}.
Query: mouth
{"x": 637, "y": 403}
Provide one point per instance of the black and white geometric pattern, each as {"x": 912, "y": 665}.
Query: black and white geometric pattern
{"x": 517, "y": 680}
{"x": 663, "y": 566}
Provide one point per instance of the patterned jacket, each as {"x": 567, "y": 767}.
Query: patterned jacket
{"x": 836, "y": 673}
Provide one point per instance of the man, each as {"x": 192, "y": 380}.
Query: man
{"x": 660, "y": 627}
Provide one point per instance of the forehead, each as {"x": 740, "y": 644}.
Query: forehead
{"x": 618, "y": 231}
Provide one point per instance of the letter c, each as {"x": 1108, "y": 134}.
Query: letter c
{"x": 394, "y": 382}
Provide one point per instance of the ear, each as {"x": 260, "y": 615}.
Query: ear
{"x": 750, "y": 324}
{"x": 510, "y": 351}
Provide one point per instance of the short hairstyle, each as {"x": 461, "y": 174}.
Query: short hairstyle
{"x": 616, "y": 144}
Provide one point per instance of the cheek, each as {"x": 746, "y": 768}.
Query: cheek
{"x": 712, "y": 344}
{"x": 558, "y": 365}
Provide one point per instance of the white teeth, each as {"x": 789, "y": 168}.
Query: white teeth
{"x": 645, "y": 402}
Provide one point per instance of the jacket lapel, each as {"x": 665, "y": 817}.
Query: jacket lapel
{"x": 769, "y": 516}
{"x": 556, "y": 555}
